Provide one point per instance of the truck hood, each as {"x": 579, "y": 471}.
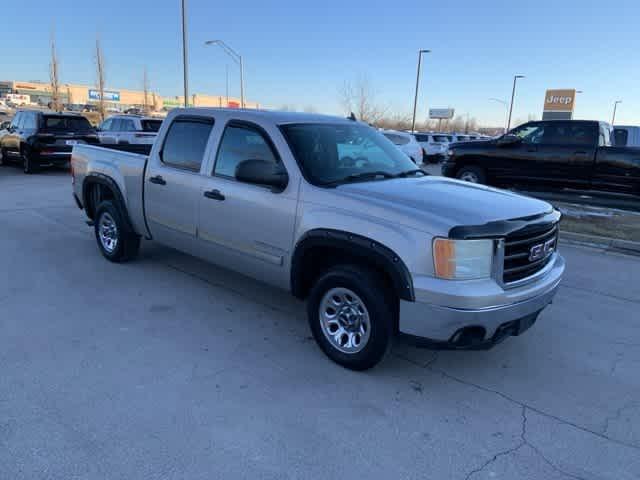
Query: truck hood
{"x": 437, "y": 204}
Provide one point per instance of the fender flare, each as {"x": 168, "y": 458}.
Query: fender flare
{"x": 104, "y": 180}
{"x": 360, "y": 248}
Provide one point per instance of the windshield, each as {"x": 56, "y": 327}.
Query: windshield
{"x": 440, "y": 138}
{"x": 66, "y": 123}
{"x": 335, "y": 153}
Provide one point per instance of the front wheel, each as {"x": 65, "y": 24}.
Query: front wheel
{"x": 114, "y": 240}
{"x": 351, "y": 316}
{"x": 472, "y": 175}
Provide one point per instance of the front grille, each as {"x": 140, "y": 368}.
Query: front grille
{"x": 523, "y": 256}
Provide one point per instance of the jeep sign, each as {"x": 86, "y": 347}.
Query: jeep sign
{"x": 559, "y": 100}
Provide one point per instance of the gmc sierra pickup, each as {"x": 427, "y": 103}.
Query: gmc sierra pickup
{"x": 550, "y": 154}
{"x": 373, "y": 244}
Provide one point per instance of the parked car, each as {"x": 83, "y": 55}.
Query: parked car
{"x": 36, "y": 138}
{"x": 434, "y": 146}
{"x": 626, "y": 136}
{"x": 549, "y": 154}
{"x": 407, "y": 143}
{"x": 129, "y": 129}
{"x": 375, "y": 246}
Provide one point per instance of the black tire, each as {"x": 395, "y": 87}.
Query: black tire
{"x": 127, "y": 244}
{"x": 4, "y": 160}
{"x": 379, "y": 304}
{"x": 472, "y": 174}
{"x": 29, "y": 165}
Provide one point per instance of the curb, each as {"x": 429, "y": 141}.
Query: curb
{"x": 623, "y": 246}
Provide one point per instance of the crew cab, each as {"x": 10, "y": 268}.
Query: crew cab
{"x": 373, "y": 244}
{"x": 37, "y": 138}
{"x": 129, "y": 129}
{"x": 574, "y": 154}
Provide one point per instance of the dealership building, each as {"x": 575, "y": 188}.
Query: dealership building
{"x": 41, "y": 93}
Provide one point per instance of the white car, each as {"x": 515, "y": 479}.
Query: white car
{"x": 407, "y": 143}
{"x": 129, "y": 129}
{"x": 434, "y": 145}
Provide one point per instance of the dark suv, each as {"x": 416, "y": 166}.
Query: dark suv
{"x": 39, "y": 138}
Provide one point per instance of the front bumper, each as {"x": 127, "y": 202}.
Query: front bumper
{"x": 476, "y": 313}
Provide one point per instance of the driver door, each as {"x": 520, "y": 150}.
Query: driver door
{"x": 520, "y": 162}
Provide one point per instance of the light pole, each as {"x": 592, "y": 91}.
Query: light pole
{"x": 513, "y": 96}
{"x": 615, "y": 109}
{"x": 506, "y": 110}
{"x": 415, "y": 100}
{"x": 237, "y": 58}
{"x": 185, "y": 54}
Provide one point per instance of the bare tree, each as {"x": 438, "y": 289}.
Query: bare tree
{"x": 100, "y": 78}
{"x": 358, "y": 97}
{"x": 145, "y": 88}
{"x": 53, "y": 74}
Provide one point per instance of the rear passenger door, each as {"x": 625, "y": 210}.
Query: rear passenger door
{"x": 174, "y": 181}
{"x": 246, "y": 227}
{"x": 567, "y": 152}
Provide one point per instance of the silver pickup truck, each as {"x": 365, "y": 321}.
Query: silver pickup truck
{"x": 330, "y": 210}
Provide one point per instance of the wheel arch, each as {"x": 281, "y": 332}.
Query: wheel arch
{"x": 97, "y": 188}
{"x": 320, "y": 249}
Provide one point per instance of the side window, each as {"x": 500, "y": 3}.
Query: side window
{"x": 560, "y": 133}
{"x": 240, "y": 143}
{"x": 116, "y": 125}
{"x": 185, "y": 143}
{"x": 530, "y": 133}
{"x": 29, "y": 121}
{"x": 16, "y": 121}
{"x": 127, "y": 125}
{"x": 106, "y": 125}
{"x": 620, "y": 137}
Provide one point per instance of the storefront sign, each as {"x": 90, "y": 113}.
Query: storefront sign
{"x": 109, "y": 96}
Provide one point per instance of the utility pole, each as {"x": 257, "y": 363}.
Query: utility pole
{"x": 55, "y": 81}
{"x": 227, "y": 66}
{"x": 185, "y": 54}
{"x": 513, "y": 96}
{"x": 615, "y": 109}
{"x": 415, "y": 99}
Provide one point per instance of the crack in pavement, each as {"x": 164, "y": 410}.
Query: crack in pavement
{"x": 523, "y": 442}
{"x": 431, "y": 367}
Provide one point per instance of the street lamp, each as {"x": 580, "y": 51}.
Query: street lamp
{"x": 506, "y": 110}
{"x": 415, "y": 100}
{"x": 513, "y": 96}
{"x": 236, "y": 58}
{"x": 185, "y": 58}
{"x": 615, "y": 109}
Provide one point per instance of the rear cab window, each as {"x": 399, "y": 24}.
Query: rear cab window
{"x": 151, "y": 125}
{"x": 620, "y": 137}
{"x": 185, "y": 142}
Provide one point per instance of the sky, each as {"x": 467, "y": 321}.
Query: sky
{"x": 298, "y": 53}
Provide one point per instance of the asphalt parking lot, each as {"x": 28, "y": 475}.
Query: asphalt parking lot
{"x": 169, "y": 368}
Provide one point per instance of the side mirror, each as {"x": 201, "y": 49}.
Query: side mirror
{"x": 509, "y": 139}
{"x": 263, "y": 172}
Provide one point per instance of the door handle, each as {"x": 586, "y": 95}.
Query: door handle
{"x": 214, "y": 195}
{"x": 158, "y": 180}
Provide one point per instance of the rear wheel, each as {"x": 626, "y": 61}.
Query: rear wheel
{"x": 3, "y": 157}
{"x": 29, "y": 164}
{"x": 472, "y": 175}
{"x": 351, "y": 316}
{"x": 116, "y": 243}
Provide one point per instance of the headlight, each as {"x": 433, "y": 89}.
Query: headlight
{"x": 451, "y": 153}
{"x": 462, "y": 259}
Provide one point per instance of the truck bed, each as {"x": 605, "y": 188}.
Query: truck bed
{"x": 125, "y": 168}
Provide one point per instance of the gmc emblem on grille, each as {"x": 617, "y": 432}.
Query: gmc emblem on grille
{"x": 542, "y": 250}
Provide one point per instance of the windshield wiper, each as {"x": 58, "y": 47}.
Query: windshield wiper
{"x": 409, "y": 173}
{"x": 360, "y": 176}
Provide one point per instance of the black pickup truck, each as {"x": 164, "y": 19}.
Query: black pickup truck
{"x": 574, "y": 154}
